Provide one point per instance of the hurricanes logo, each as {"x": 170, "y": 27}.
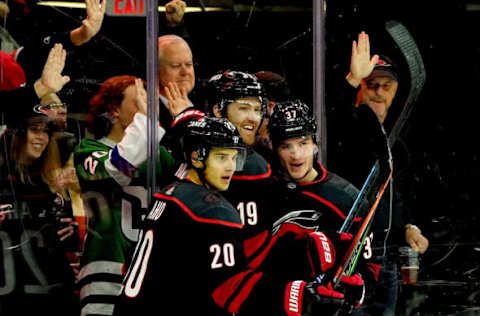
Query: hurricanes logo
{"x": 383, "y": 63}
{"x": 304, "y": 219}
{"x": 42, "y": 109}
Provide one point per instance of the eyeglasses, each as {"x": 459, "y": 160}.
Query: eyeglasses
{"x": 55, "y": 106}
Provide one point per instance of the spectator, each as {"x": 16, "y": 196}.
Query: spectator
{"x": 39, "y": 229}
{"x": 175, "y": 64}
{"x": 114, "y": 201}
{"x": 377, "y": 78}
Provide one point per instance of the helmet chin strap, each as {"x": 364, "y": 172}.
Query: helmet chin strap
{"x": 201, "y": 174}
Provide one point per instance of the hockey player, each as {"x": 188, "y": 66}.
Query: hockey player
{"x": 240, "y": 98}
{"x": 207, "y": 255}
{"x": 113, "y": 191}
{"x": 309, "y": 195}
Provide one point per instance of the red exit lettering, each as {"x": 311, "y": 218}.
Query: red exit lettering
{"x": 128, "y": 7}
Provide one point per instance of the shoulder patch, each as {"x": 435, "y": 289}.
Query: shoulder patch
{"x": 211, "y": 198}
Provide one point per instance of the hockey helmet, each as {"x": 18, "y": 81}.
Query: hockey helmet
{"x": 291, "y": 119}
{"x": 228, "y": 86}
{"x": 207, "y": 132}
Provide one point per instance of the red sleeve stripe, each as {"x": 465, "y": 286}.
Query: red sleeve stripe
{"x": 251, "y": 245}
{"x": 195, "y": 217}
{"x": 254, "y": 177}
{"x": 222, "y": 293}
{"x": 244, "y": 293}
{"x": 231, "y": 294}
{"x": 259, "y": 258}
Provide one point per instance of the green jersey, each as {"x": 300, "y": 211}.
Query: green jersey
{"x": 114, "y": 214}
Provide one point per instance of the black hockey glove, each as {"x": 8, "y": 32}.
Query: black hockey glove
{"x": 309, "y": 299}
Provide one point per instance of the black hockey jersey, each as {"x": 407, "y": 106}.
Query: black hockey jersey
{"x": 190, "y": 260}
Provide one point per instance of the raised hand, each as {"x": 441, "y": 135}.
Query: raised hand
{"x": 94, "y": 20}
{"x": 174, "y": 12}
{"x": 52, "y": 79}
{"x": 141, "y": 96}
{"x": 92, "y": 23}
{"x": 361, "y": 64}
{"x": 177, "y": 99}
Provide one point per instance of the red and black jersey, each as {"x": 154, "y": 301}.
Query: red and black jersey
{"x": 320, "y": 205}
{"x": 190, "y": 260}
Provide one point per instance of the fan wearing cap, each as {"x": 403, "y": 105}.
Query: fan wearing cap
{"x": 378, "y": 89}
{"x": 373, "y": 114}
{"x": 40, "y": 223}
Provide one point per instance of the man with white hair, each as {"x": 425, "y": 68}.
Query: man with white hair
{"x": 175, "y": 64}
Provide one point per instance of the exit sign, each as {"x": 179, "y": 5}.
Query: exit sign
{"x": 126, "y": 7}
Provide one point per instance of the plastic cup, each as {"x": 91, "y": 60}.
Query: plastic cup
{"x": 409, "y": 265}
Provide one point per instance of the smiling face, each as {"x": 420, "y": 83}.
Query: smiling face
{"x": 378, "y": 94}
{"x": 220, "y": 166}
{"x": 296, "y": 157}
{"x": 37, "y": 140}
{"x": 246, "y": 115}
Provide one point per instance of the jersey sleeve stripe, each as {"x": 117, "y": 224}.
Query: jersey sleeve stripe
{"x": 235, "y": 305}
{"x": 232, "y": 293}
{"x": 195, "y": 217}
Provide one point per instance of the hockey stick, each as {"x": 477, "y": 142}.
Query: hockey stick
{"x": 409, "y": 49}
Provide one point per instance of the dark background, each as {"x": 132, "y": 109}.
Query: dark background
{"x": 441, "y": 135}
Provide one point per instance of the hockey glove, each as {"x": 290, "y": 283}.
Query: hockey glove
{"x": 321, "y": 253}
{"x": 353, "y": 288}
{"x": 308, "y": 299}
{"x": 340, "y": 242}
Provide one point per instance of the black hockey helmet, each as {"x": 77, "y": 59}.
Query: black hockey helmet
{"x": 291, "y": 119}
{"x": 228, "y": 86}
{"x": 207, "y": 132}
